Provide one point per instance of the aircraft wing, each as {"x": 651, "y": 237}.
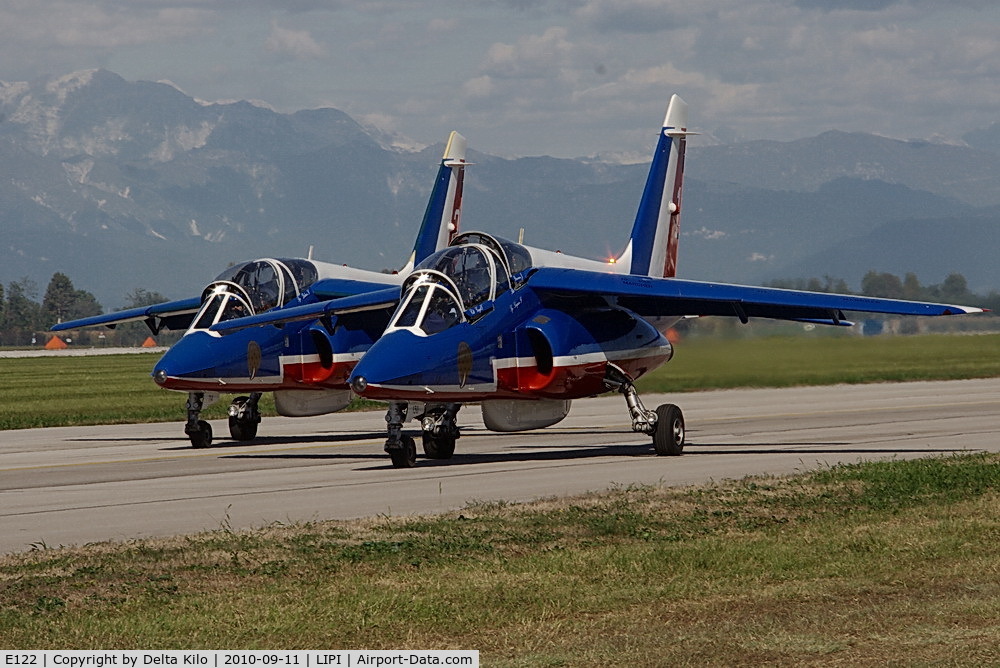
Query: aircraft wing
{"x": 368, "y": 301}
{"x": 675, "y": 297}
{"x": 168, "y": 315}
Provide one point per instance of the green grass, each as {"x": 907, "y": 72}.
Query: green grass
{"x": 64, "y": 391}
{"x": 870, "y": 564}
{"x": 105, "y": 389}
{"x": 785, "y": 361}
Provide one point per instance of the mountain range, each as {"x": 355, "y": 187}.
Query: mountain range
{"x": 125, "y": 185}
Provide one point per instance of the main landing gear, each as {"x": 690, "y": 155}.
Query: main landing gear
{"x": 244, "y": 416}
{"x": 439, "y": 432}
{"x": 665, "y": 425}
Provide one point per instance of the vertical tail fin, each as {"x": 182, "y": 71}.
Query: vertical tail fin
{"x": 441, "y": 218}
{"x": 652, "y": 248}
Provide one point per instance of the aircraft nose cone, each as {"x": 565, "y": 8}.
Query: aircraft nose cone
{"x": 193, "y": 357}
{"x": 392, "y": 360}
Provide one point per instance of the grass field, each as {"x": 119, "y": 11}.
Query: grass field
{"x": 38, "y": 392}
{"x": 892, "y": 563}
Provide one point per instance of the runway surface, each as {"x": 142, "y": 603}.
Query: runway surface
{"x": 76, "y": 485}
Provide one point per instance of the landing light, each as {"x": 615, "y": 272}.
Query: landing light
{"x": 359, "y": 384}
{"x": 160, "y": 376}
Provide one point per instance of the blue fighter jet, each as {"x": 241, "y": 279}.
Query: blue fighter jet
{"x": 306, "y": 365}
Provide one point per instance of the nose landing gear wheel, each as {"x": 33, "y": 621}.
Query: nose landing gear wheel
{"x": 202, "y": 437}
{"x": 668, "y": 439}
{"x": 406, "y": 456}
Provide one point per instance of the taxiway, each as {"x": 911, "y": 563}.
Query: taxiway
{"x": 78, "y": 485}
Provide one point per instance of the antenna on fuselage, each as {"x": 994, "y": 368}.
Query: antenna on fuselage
{"x": 310, "y": 255}
{"x": 520, "y": 236}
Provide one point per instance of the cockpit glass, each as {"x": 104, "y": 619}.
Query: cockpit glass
{"x": 514, "y": 257}
{"x": 410, "y": 313}
{"x": 234, "y": 308}
{"x": 470, "y": 268}
{"x": 208, "y": 312}
{"x": 442, "y": 312}
{"x": 430, "y": 307}
{"x": 269, "y": 283}
{"x": 222, "y": 303}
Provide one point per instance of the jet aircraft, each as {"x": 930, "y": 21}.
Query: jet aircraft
{"x": 524, "y": 331}
{"x": 305, "y": 365}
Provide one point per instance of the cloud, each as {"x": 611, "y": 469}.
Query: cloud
{"x": 299, "y": 44}
{"x": 531, "y": 57}
{"x": 570, "y": 77}
{"x": 648, "y": 16}
{"x": 97, "y": 25}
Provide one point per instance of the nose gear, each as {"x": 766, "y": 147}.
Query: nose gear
{"x": 401, "y": 448}
{"x": 199, "y": 431}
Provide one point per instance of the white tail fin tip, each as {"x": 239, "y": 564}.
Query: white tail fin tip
{"x": 454, "y": 151}
{"x": 677, "y": 114}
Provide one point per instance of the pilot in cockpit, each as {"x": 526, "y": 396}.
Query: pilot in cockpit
{"x": 441, "y": 314}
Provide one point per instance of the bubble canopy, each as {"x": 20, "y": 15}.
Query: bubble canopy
{"x": 249, "y": 288}
{"x": 446, "y": 285}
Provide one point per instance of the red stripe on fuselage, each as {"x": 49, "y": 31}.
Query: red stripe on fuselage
{"x": 572, "y": 381}
{"x": 296, "y": 376}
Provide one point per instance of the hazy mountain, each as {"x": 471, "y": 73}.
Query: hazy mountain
{"x": 123, "y": 185}
{"x": 987, "y": 139}
{"x": 959, "y": 172}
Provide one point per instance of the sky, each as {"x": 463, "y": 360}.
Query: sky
{"x": 567, "y": 78}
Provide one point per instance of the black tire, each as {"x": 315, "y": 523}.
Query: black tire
{"x": 438, "y": 447}
{"x": 242, "y": 430}
{"x": 245, "y": 429}
{"x": 405, "y": 457}
{"x": 203, "y": 437}
{"x": 668, "y": 439}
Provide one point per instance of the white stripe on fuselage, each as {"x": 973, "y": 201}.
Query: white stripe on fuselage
{"x": 561, "y": 362}
{"x": 283, "y": 360}
{"x": 585, "y": 358}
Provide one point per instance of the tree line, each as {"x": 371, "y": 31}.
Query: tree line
{"x": 953, "y": 290}
{"x": 25, "y": 321}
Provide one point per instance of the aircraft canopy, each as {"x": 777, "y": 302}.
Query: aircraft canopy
{"x": 443, "y": 288}
{"x": 253, "y": 287}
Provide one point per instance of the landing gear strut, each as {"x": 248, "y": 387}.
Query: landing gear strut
{"x": 665, "y": 425}
{"x": 440, "y": 430}
{"x": 244, "y": 416}
{"x": 199, "y": 431}
{"x": 401, "y": 448}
